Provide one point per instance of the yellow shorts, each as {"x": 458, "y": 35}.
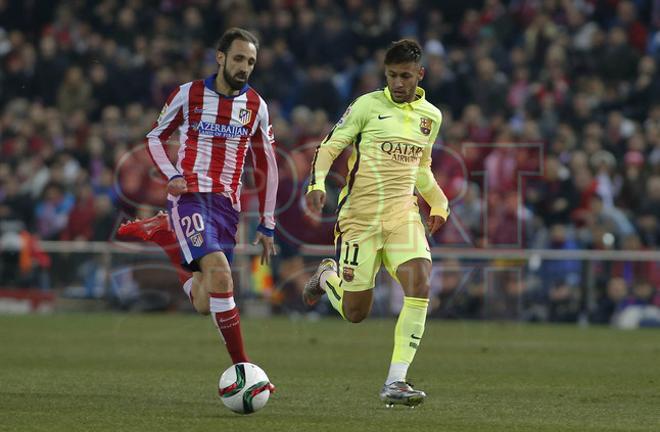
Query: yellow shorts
{"x": 360, "y": 250}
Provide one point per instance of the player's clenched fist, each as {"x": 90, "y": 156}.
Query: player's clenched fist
{"x": 315, "y": 200}
{"x": 435, "y": 222}
{"x": 177, "y": 186}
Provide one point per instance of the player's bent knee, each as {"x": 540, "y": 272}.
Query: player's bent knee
{"x": 220, "y": 282}
{"x": 421, "y": 289}
{"x": 355, "y": 315}
{"x": 357, "y": 305}
{"x": 414, "y": 276}
{"x": 216, "y": 273}
{"x": 204, "y": 312}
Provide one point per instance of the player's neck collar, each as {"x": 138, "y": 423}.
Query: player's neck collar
{"x": 420, "y": 95}
{"x": 209, "y": 83}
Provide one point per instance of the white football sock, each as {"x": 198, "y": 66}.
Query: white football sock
{"x": 187, "y": 288}
{"x": 398, "y": 372}
{"x": 325, "y": 274}
{"x": 222, "y": 304}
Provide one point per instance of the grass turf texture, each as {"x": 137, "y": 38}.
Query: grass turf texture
{"x": 160, "y": 372}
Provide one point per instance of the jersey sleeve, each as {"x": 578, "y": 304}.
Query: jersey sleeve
{"x": 266, "y": 173}
{"x": 425, "y": 182}
{"x": 343, "y": 134}
{"x": 170, "y": 118}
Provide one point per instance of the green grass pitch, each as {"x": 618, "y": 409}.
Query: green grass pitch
{"x": 159, "y": 373}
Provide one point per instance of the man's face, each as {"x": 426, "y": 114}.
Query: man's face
{"x": 402, "y": 80}
{"x": 237, "y": 65}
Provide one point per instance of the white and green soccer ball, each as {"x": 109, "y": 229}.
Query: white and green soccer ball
{"x": 244, "y": 388}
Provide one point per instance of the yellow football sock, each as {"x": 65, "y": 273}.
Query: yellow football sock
{"x": 331, "y": 283}
{"x": 407, "y": 336}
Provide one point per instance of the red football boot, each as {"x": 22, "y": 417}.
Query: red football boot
{"x": 157, "y": 229}
{"x": 145, "y": 229}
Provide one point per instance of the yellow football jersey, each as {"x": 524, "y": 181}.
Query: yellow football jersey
{"x": 392, "y": 145}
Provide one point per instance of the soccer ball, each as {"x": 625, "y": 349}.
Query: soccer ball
{"x": 244, "y": 388}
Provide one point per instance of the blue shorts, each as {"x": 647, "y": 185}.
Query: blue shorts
{"x": 203, "y": 223}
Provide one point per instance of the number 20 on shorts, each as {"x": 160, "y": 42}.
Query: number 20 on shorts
{"x": 195, "y": 222}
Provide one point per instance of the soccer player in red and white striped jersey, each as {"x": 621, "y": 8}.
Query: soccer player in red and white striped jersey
{"x": 218, "y": 119}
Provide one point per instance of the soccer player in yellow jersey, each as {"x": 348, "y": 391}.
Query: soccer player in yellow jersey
{"x": 392, "y": 132}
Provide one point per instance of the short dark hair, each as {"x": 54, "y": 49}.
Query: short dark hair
{"x": 234, "y": 33}
{"x": 404, "y": 51}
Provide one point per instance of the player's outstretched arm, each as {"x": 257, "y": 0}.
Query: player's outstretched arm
{"x": 263, "y": 157}
{"x": 434, "y": 196}
{"x": 341, "y": 136}
{"x": 266, "y": 172}
{"x": 170, "y": 118}
{"x": 432, "y": 193}
{"x": 429, "y": 188}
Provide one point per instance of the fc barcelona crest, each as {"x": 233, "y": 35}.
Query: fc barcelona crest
{"x": 348, "y": 274}
{"x": 244, "y": 116}
{"x": 425, "y": 125}
{"x": 197, "y": 240}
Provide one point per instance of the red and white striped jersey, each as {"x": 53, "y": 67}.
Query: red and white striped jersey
{"x": 215, "y": 132}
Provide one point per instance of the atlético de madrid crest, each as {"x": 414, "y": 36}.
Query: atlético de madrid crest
{"x": 244, "y": 116}
{"x": 425, "y": 125}
{"x": 196, "y": 239}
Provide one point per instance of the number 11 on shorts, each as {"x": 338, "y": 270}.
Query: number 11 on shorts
{"x": 356, "y": 249}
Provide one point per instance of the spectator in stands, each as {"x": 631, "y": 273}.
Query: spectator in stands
{"x": 560, "y": 273}
{"x": 631, "y": 194}
{"x": 555, "y": 196}
{"x": 610, "y": 304}
{"x": 105, "y": 221}
{"x": 52, "y": 211}
{"x": 14, "y": 205}
{"x": 75, "y": 92}
{"x": 80, "y": 224}
{"x": 611, "y": 219}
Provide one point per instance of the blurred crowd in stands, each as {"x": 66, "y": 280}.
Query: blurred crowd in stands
{"x": 550, "y": 137}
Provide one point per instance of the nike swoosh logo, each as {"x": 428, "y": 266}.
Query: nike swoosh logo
{"x": 415, "y": 337}
{"x": 228, "y": 319}
{"x": 382, "y": 117}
